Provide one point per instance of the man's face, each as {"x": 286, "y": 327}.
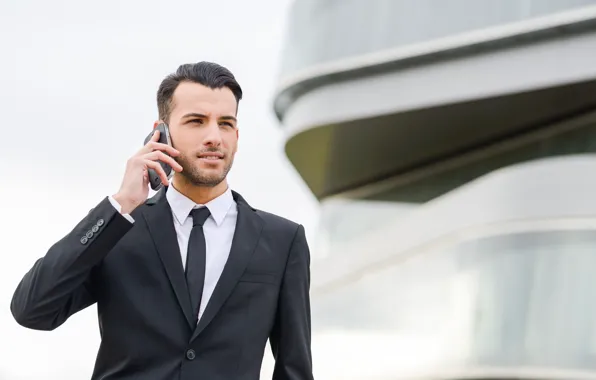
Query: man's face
{"x": 203, "y": 129}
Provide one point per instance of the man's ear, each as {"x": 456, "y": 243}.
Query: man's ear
{"x": 157, "y": 123}
{"x": 237, "y": 136}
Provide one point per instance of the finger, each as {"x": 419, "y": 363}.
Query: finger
{"x": 153, "y": 145}
{"x": 165, "y": 148}
{"x": 147, "y": 147}
{"x": 156, "y": 155}
{"x": 159, "y": 170}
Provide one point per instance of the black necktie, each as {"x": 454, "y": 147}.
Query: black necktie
{"x": 195, "y": 259}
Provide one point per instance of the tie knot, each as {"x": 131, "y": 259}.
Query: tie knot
{"x": 199, "y": 216}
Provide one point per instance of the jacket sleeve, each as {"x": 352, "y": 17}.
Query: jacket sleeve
{"x": 291, "y": 334}
{"x": 60, "y": 283}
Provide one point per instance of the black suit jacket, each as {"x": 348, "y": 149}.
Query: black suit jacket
{"x": 134, "y": 273}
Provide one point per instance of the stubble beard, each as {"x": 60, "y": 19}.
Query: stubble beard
{"x": 194, "y": 175}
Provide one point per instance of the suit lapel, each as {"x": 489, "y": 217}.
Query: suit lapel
{"x": 161, "y": 227}
{"x": 246, "y": 237}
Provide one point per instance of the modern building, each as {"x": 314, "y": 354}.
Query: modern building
{"x": 451, "y": 144}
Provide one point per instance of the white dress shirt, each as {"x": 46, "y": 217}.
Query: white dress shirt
{"x": 218, "y": 228}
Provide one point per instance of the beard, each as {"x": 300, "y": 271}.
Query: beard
{"x": 195, "y": 176}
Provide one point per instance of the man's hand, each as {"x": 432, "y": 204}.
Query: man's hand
{"x": 135, "y": 185}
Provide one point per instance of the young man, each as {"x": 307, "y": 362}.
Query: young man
{"x": 191, "y": 283}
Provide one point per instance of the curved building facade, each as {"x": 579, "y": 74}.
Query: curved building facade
{"x": 483, "y": 282}
{"x": 451, "y": 146}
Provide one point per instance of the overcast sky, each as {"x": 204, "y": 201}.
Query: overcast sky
{"x": 77, "y": 97}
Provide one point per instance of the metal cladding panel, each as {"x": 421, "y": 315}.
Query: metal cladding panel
{"x": 353, "y": 131}
{"x": 343, "y": 156}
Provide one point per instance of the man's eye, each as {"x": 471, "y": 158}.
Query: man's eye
{"x": 197, "y": 121}
{"x": 227, "y": 123}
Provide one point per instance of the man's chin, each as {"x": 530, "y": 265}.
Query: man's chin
{"x": 209, "y": 172}
{"x": 204, "y": 179}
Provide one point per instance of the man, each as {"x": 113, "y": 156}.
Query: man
{"x": 191, "y": 283}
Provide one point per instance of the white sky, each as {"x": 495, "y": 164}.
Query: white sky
{"x": 77, "y": 97}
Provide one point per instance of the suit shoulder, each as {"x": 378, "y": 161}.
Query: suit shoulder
{"x": 277, "y": 222}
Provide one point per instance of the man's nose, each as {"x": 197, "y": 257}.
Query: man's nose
{"x": 213, "y": 136}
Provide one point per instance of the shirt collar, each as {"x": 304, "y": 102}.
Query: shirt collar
{"x": 182, "y": 206}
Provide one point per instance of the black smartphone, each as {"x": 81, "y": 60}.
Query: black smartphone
{"x": 164, "y": 138}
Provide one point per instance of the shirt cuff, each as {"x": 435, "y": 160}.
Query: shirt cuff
{"x": 119, "y": 209}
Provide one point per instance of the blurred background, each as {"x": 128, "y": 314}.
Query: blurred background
{"x": 440, "y": 154}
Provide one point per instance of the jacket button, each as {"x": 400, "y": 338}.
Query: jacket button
{"x": 190, "y": 354}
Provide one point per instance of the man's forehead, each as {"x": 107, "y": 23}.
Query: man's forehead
{"x": 194, "y": 97}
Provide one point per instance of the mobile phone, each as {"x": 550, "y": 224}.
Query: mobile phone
{"x": 164, "y": 138}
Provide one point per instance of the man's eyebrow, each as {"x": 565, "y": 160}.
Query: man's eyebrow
{"x": 194, "y": 114}
{"x": 228, "y": 118}
{"x": 201, "y": 116}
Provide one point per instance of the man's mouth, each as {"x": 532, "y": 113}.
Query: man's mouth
{"x": 211, "y": 156}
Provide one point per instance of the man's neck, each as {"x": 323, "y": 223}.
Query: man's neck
{"x": 199, "y": 194}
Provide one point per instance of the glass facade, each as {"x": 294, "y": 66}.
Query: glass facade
{"x": 516, "y": 299}
{"x": 327, "y": 30}
{"x": 346, "y": 220}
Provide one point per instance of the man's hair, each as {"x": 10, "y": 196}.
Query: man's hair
{"x": 207, "y": 74}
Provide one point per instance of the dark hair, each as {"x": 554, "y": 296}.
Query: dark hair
{"x": 208, "y": 74}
